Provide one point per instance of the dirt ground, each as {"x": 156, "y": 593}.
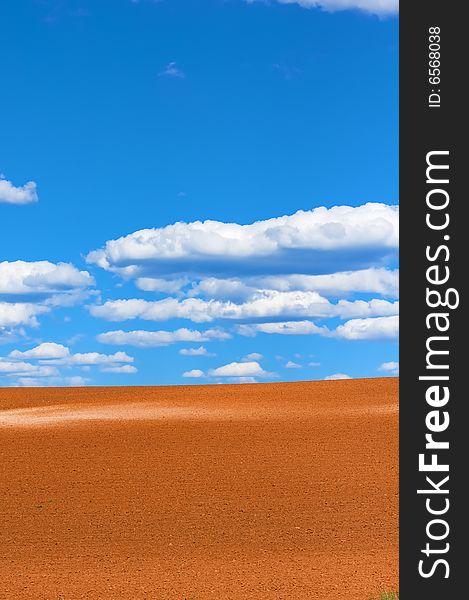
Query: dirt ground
{"x": 267, "y": 491}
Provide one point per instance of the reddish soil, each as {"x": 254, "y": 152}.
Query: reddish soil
{"x": 265, "y": 492}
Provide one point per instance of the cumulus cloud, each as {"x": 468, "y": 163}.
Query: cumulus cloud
{"x": 151, "y": 339}
{"x": 384, "y": 328}
{"x": 391, "y": 367}
{"x": 16, "y": 313}
{"x": 374, "y": 328}
{"x": 267, "y": 304}
{"x": 384, "y": 282}
{"x": 44, "y": 351}
{"x": 157, "y": 284}
{"x": 241, "y": 380}
{"x": 75, "y": 381}
{"x": 10, "y": 194}
{"x": 292, "y": 365}
{"x": 11, "y": 335}
{"x": 194, "y": 373}
{"x": 234, "y": 372}
{"x": 120, "y": 369}
{"x": 322, "y": 240}
{"x": 200, "y": 311}
{"x": 200, "y": 351}
{"x": 375, "y": 7}
{"x": 284, "y": 328}
{"x": 232, "y": 289}
{"x": 240, "y": 369}
{"x": 12, "y": 368}
{"x": 28, "y": 289}
{"x": 381, "y": 281}
{"x": 337, "y": 376}
{"x": 92, "y": 358}
{"x": 50, "y": 355}
{"x": 252, "y": 356}
{"x": 41, "y": 281}
{"x": 361, "y": 308}
{"x": 45, "y": 360}
{"x": 372, "y": 281}
{"x": 276, "y": 276}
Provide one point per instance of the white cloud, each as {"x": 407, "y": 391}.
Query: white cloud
{"x": 284, "y": 328}
{"x": 272, "y": 276}
{"x": 92, "y": 358}
{"x": 172, "y": 70}
{"x": 373, "y": 281}
{"x": 235, "y": 372}
{"x": 120, "y": 369}
{"x": 195, "y": 373}
{"x": 12, "y": 368}
{"x": 314, "y": 364}
{"x": 361, "y": 308}
{"x": 252, "y": 356}
{"x": 267, "y": 304}
{"x": 28, "y": 289}
{"x": 320, "y": 240}
{"x": 157, "y": 284}
{"x": 149, "y": 339}
{"x": 15, "y": 367}
{"x": 50, "y": 353}
{"x": 376, "y": 7}
{"x": 380, "y": 281}
{"x": 44, "y": 351}
{"x": 373, "y": 328}
{"x": 17, "y": 313}
{"x": 10, "y": 336}
{"x": 240, "y": 369}
{"x": 369, "y": 329}
{"x": 200, "y": 311}
{"x": 228, "y": 289}
{"x": 292, "y": 365}
{"x": 200, "y": 351}
{"x": 337, "y": 376}
{"x": 75, "y": 381}
{"x": 390, "y": 367}
{"x": 9, "y": 194}
{"x": 241, "y": 380}
{"x": 41, "y": 280}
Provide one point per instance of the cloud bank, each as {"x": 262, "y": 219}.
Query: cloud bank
{"x": 265, "y": 305}
{"x": 42, "y": 364}
{"x": 374, "y": 328}
{"x": 323, "y": 240}
{"x": 29, "y": 289}
{"x": 153, "y": 339}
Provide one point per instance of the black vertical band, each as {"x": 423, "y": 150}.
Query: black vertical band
{"x": 433, "y": 394}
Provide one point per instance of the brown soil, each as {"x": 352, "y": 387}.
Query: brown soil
{"x": 267, "y": 492}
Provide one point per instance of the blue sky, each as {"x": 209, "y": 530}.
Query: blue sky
{"x": 122, "y": 118}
